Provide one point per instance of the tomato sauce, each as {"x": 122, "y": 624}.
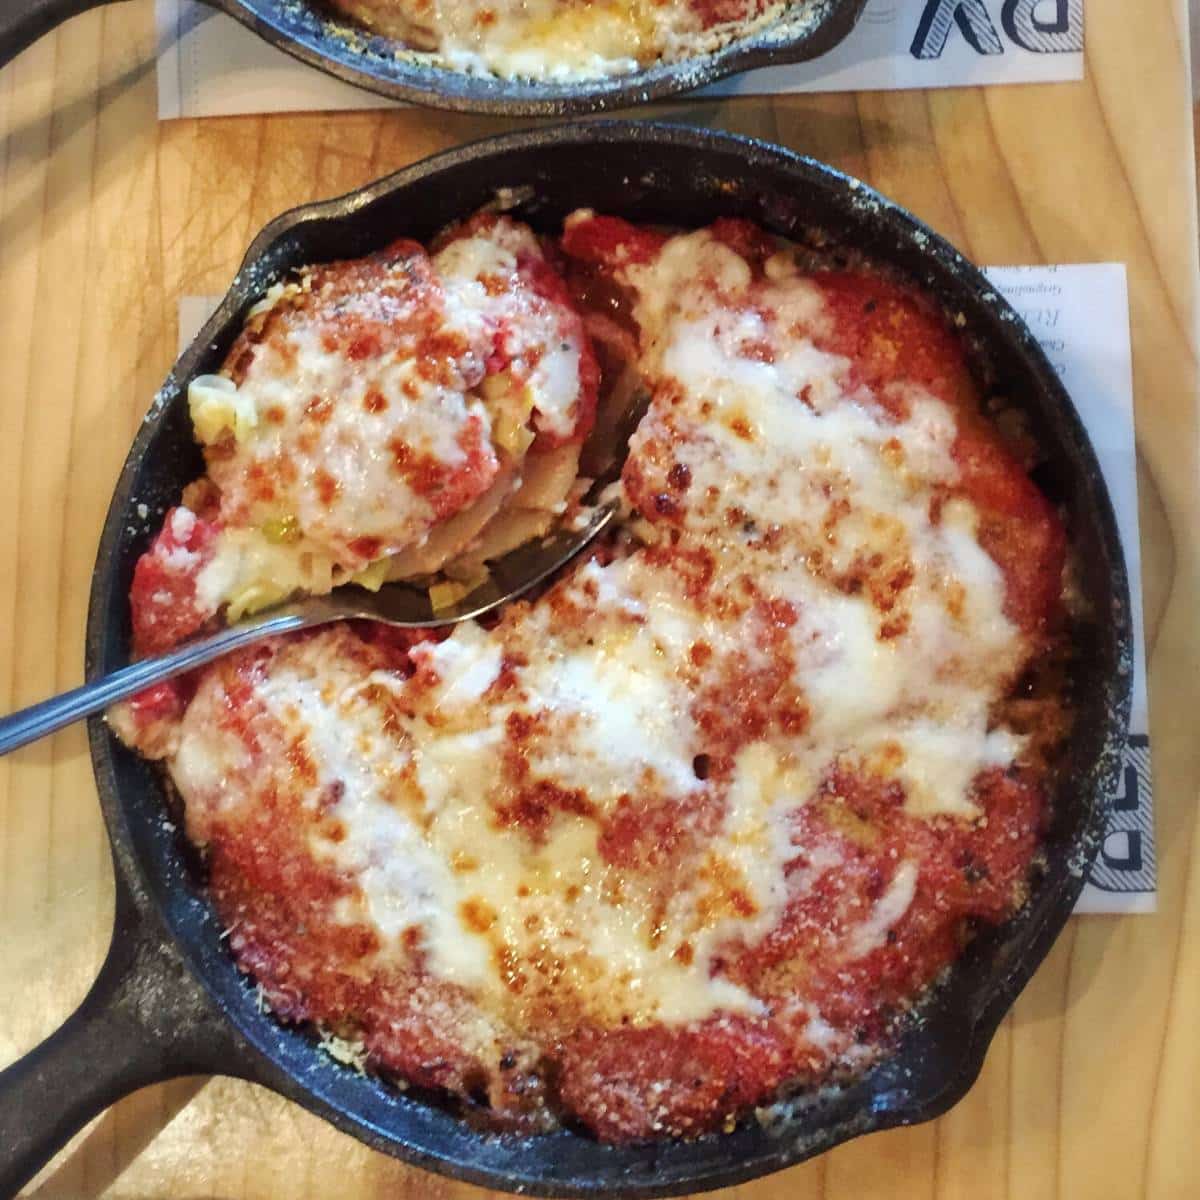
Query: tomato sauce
{"x": 890, "y": 333}
{"x": 164, "y": 607}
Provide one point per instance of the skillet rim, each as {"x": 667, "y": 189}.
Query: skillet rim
{"x": 302, "y": 1073}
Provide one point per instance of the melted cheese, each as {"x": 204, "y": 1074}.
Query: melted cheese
{"x": 842, "y": 480}
{"x": 887, "y": 911}
{"x": 547, "y": 40}
{"x": 412, "y": 810}
{"x": 616, "y": 722}
{"x": 554, "y": 40}
{"x": 248, "y": 571}
{"x": 311, "y": 449}
{"x": 501, "y": 803}
{"x": 368, "y": 497}
{"x": 484, "y": 283}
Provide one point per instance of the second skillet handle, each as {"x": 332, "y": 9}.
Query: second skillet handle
{"x": 22, "y": 22}
{"x": 145, "y": 1020}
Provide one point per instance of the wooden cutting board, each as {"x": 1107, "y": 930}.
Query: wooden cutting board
{"x": 106, "y": 218}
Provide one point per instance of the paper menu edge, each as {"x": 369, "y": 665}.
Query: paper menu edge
{"x": 1095, "y": 902}
{"x": 1110, "y": 274}
{"x": 1098, "y": 376}
{"x": 168, "y": 74}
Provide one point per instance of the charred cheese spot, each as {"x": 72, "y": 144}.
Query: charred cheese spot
{"x": 478, "y": 915}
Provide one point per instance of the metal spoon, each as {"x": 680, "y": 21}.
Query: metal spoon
{"x": 394, "y": 604}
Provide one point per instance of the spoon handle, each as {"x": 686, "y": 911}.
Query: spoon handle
{"x": 44, "y": 718}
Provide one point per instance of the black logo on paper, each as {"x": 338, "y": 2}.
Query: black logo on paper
{"x": 1126, "y": 859}
{"x": 1044, "y": 26}
{"x": 1039, "y": 26}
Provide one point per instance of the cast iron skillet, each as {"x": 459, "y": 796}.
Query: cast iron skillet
{"x": 169, "y": 1000}
{"x": 298, "y": 27}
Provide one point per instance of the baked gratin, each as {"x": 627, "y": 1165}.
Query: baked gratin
{"x": 563, "y": 41}
{"x": 701, "y": 823}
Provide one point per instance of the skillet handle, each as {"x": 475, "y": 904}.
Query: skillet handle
{"x": 145, "y": 1020}
{"x": 22, "y": 22}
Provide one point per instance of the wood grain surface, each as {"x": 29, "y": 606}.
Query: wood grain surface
{"x": 1092, "y": 1087}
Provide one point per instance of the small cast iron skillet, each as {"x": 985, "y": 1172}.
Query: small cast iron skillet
{"x": 169, "y": 1000}
{"x": 298, "y": 27}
